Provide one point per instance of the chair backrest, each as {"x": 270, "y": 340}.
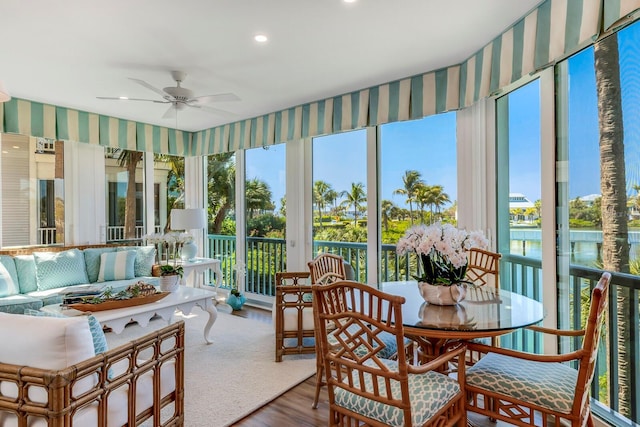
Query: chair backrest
{"x": 350, "y": 317}
{"x": 327, "y": 268}
{"x": 593, "y": 329}
{"x": 483, "y": 267}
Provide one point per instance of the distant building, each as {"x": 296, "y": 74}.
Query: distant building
{"x": 521, "y": 209}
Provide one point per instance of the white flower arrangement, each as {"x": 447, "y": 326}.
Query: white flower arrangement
{"x": 442, "y": 248}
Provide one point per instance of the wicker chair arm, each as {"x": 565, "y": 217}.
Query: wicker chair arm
{"x": 558, "y": 332}
{"x": 441, "y": 361}
{"x": 550, "y": 358}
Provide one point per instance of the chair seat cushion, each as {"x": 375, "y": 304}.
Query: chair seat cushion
{"x": 428, "y": 393}
{"x": 549, "y": 385}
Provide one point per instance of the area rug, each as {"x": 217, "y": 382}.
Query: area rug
{"x": 235, "y": 375}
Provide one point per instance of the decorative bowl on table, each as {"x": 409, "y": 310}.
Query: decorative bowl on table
{"x": 136, "y": 294}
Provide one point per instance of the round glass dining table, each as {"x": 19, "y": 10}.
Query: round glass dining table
{"x": 485, "y": 312}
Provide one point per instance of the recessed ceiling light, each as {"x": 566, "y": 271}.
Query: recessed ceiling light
{"x": 349, "y": 1}
{"x": 260, "y": 38}
{"x": 124, "y": 97}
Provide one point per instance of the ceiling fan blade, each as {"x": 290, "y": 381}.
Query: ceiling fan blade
{"x": 132, "y": 99}
{"x": 221, "y": 97}
{"x": 148, "y": 86}
{"x": 171, "y": 113}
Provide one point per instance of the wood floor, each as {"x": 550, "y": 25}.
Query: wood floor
{"x": 293, "y": 408}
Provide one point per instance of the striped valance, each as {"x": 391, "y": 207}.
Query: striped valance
{"x": 49, "y": 121}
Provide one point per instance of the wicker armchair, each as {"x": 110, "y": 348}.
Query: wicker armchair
{"x": 525, "y": 389}
{"x": 293, "y": 315}
{"x": 367, "y": 388}
{"x": 127, "y": 385}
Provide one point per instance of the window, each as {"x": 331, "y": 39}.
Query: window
{"x": 32, "y": 171}
{"x": 418, "y": 183}
{"x": 340, "y": 197}
{"x": 265, "y": 207}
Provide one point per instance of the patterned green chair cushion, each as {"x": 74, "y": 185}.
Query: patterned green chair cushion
{"x": 26, "y": 270}
{"x": 92, "y": 261}
{"x": 550, "y": 385}
{"x": 59, "y": 269}
{"x": 428, "y": 393}
{"x": 9, "y": 284}
{"x": 145, "y": 258}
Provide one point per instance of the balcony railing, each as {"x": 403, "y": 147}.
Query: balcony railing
{"x": 518, "y": 273}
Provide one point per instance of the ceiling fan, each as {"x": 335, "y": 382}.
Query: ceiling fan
{"x": 180, "y": 97}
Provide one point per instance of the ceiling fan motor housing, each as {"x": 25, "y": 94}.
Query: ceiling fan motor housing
{"x": 179, "y": 93}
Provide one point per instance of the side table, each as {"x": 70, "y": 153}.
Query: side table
{"x": 200, "y": 265}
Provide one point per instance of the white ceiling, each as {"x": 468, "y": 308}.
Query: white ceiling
{"x": 68, "y": 52}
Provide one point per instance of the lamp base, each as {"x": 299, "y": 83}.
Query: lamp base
{"x": 189, "y": 251}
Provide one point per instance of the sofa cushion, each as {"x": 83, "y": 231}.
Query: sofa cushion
{"x": 92, "y": 261}
{"x": 97, "y": 333}
{"x": 58, "y": 269}
{"x": 117, "y": 266}
{"x": 9, "y": 284}
{"x": 46, "y": 343}
{"x": 18, "y": 303}
{"x": 145, "y": 258}
{"x": 26, "y": 271}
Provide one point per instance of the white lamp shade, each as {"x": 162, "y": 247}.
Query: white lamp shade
{"x": 188, "y": 219}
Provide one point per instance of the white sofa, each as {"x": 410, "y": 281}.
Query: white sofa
{"x": 51, "y": 376}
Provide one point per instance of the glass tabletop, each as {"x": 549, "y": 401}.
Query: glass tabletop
{"x": 485, "y": 309}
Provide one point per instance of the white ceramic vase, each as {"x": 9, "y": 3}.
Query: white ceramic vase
{"x": 169, "y": 283}
{"x": 442, "y": 295}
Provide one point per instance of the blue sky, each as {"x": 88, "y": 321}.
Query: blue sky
{"x": 429, "y": 145}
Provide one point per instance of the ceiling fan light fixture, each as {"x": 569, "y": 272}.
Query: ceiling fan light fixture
{"x": 179, "y": 93}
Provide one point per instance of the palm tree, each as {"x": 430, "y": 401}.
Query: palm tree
{"x": 615, "y": 241}
{"x": 257, "y": 196}
{"x": 410, "y": 181}
{"x": 355, "y": 197}
{"x": 221, "y": 187}
{"x": 129, "y": 160}
{"x": 422, "y": 197}
{"x": 438, "y": 198}
{"x": 320, "y": 190}
{"x": 386, "y": 207}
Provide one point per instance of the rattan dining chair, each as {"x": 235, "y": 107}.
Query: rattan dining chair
{"x": 293, "y": 315}
{"x": 483, "y": 269}
{"x": 524, "y": 388}
{"x": 366, "y": 388}
{"x": 324, "y": 269}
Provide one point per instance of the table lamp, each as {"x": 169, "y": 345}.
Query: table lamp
{"x": 188, "y": 219}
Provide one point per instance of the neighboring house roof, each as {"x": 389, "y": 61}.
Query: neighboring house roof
{"x": 519, "y": 201}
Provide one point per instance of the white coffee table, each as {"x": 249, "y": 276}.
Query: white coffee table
{"x": 184, "y": 299}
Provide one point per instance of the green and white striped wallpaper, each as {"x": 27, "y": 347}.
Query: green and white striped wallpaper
{"x": 551, "y": 32}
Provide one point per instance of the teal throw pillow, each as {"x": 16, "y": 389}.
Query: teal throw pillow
{"x": 26, "y": 271}
{"x": 59, "y": 269}
{"x": 145, "y": 258}
{"x": 97, "y": 333}
{"x": 117, "y": 266}
{"x": 92, "y": 261}
{"x": 8, "y": 277}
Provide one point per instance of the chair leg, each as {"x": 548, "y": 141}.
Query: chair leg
{"x": 319, "y": 383}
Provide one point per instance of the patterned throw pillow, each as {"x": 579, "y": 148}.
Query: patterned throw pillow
{"x": 26, "y": 271}
{"x": 117, "y": 266}
{"x": 145, "y": 258}
{"x": 99, "y": 339}
{"x": 92, "y": 261}
{"x": 59, "y": 269}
